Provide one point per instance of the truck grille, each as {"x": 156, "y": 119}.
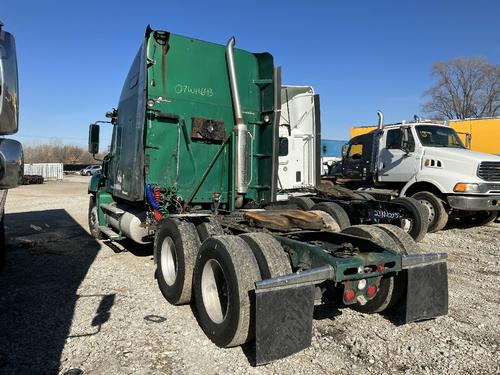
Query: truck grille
{"x": 489, "y": 170}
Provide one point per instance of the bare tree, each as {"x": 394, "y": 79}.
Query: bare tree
{"x": 465, "y": 88}
{"x": 57, "y": 152}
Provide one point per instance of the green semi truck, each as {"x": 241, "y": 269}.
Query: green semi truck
{"x": 192, "y": 168}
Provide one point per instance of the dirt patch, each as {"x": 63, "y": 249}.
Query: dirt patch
{"x": 70, "y": 302}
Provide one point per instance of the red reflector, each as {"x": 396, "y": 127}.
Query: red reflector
{"x": 349, "y": 295}
{"x": 380, "y": 268}
{"x": 371, "y": 291}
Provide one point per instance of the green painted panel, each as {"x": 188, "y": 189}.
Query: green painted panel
{"x": 188, "y": 78}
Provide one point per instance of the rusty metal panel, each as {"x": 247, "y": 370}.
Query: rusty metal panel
{"x": 304, "y": 219}
{"x": 207, "y": 130}
{"x": 285, "y": 220}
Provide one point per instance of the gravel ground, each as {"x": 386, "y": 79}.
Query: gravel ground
{"x": 70, "y": 302}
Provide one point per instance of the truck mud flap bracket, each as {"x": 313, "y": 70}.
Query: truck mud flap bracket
{"x": 426, "y": 294}
{"x": 283, "y": 321}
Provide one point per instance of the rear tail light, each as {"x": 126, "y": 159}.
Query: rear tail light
{"x": 349, "y": 295}
{"x": 371, "y": 291}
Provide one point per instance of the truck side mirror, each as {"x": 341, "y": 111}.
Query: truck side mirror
{"x": 405, "y": 146}
{"x": 94, "y": 139}
{"x": 11, "y": 163}
{"x": 468, "y": 140}
{"x": 9, "y": 102}
{"x": 344, "y": 150}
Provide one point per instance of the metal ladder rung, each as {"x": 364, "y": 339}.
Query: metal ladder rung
{"x": 110, "y": 233}
{"x": 113, "y": 209}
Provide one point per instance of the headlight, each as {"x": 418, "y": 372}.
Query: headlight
{"x": 463, "y": 187}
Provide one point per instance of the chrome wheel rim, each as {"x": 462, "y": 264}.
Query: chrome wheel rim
{"x": 94, "y": 220}
{"x": 168, "y": 261}
{"x": 214, "y": 291}
{"x": 406, "y": 225}
{"x": 430, "y": 207}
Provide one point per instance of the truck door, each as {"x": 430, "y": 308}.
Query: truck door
{"x": 354, "y": 162}
{"x": 295, "y": 168}
{"x": 298, "y": 138}
{"x": 395, "y": 165}
{"x": 357, "y": 163}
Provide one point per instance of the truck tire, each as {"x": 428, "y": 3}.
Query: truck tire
{"x": 209, "y": 228}
{"x": 329, "y": 222}
{"x": 94, "y": 219}
{"x": 387, "y": 294}
{"x": 438, "y": 217}
{"x": 335, "y": 211}
{"x": 406, "y": 244}
{"x": 224, "y": 284}
{"x": 481, "y": 218}
{"x": 270, "y": 256}
{"x": 302, "y": 203}
{"x": 419, "y": 217}
{"x": 176, "y": 246}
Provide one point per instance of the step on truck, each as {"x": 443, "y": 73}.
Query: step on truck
{"x": 299, "y": 177}
{"x": 192, "y": 168}
{"x": 11, "y": 152}
{"x": 427, "y": 161}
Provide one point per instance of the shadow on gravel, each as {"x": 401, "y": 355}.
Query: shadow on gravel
{"x": 460, "y": 224}
{"x": 48, "y": 256}
{"x": 130, "y": 246}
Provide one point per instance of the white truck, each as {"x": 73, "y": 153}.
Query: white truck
{"x": 300, "y": 165}
{"x": 299, "y": 139}
{"x": 11, "y": 151}
{"x": 427, "y": 161}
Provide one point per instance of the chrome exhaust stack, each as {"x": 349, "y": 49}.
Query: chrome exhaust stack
{"x": 240, "y": 127}
{"x": 380, "y": 120}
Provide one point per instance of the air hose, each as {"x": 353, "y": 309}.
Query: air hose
{"x": 151, "y": 197}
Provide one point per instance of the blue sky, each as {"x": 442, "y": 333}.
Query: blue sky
{"x": 360, "y": 56}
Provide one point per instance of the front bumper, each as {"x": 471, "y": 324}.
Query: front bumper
{"x": 474, "y": 203}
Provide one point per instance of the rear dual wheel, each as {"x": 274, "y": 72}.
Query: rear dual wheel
{"x": 209, "y": 227}
{"x": 331, "y": 209}
{"x": 176, "y": 246}
{"x": 227, "y": 268}
{"x": 391, "y": 288}
{"x": 335, "y": 211}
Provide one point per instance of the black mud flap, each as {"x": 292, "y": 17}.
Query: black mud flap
{"x": 283, "y": 321}
{"x": 427, "y": 289}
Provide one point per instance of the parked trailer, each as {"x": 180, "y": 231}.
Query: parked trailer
{"x": 193, "y": 168}
{"x": 49, "y": 171}
{"x": 299, "y": 173}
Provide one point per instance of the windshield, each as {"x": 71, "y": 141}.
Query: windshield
{"x": 438, "y": 136}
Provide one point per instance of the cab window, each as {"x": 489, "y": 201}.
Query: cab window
{"x": 355, "y": 151}
{"x": 283, "y": 146}
{"x": 394, "y": 137}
